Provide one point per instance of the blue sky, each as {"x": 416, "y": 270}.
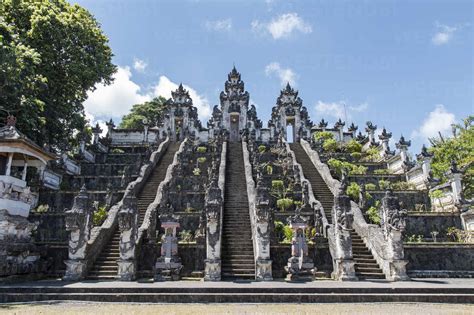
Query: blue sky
{"x": 405, "y": 65}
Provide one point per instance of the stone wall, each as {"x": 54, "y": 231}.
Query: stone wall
{"x": 423, "y": 223}
{"x": 442, "y": 260}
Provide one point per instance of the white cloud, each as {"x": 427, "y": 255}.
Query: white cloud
{"x": 438, "y": 120}
{"x": 339, "y": 109}
{"x": 165, "y": 86}
{"x": 219, "y": 25}
{"x": 444, "y": 34}
{"x": 283, "y": 26}
{"x": 115, "y": 100}
{"x": 139, "y": 65}
{"x": 284, "y": 74}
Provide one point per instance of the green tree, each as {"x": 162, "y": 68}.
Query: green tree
{"x": 54, "y": 54}
{"x": 151, "y": 111}
{"x": 459, "y": 148}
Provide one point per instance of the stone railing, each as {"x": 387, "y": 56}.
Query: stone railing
{"x": 51, "y": 179}
{"x": 148, "y": 226}
{"x": 214, "y": 216}
{"x": 70, "y": 166}
{"x": 341, "y": 251}
{"x": 261, "y": 245}
{"x": 387, "y": 249}
{"x": 101, "y": 235}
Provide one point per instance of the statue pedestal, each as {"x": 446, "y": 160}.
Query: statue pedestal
{"x": 75, "y": 270}
{"x": 126, "y": 270}
{"x": 298, "y": 271}
{"x": 168, "y": 270}
{"x": 212, "y": 270}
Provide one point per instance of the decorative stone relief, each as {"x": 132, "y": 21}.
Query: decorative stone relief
{"x": 78, "y": 223}
{"x": 128, "y": 226}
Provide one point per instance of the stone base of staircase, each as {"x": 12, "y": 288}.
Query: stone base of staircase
{"x": 428, "y": 291}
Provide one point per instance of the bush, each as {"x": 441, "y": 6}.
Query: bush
{"x": 353, "y": 191}
{"x": 415, "y": 238}
{"x": 382, "y": 171}
{"x": 288, "y": 233}
{"x": 357, "y": 169}
{"x": 353, "y": 146}
{"x": 197, "y": 171}
{"x": 370, "y": 186}
{"x": 117, "y": 151}
{"x": 373, "y": 213}
{"x": 372, "y": 154}
{"x": 284, "y": 203}
{"x": 323, "y": 135}
{"x": 201, "y": 149}
{"x": 330, "y": 145}
{"x": 338, "y": 166}
{"x": 262, "y": 148}
{"x": 279, "y": 230}
{"x": 42, "y": 208}
{"x": 384, "y": 184}
{"x": 269, "y": 169}
{"x": 356, "y": 155}
{"x": 186, "y": 236}
{"x": 402, "y": 186}
{"x": 202, "y": 160}
{"x": 99, "y": 216}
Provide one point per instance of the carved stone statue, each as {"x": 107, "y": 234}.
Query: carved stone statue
{"x": 79, "y": 224}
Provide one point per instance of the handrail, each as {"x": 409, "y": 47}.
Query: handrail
{"x": 372, "y": 234}
{"x": 150, "y": 213}
{"x": 99, "y": 235}
{"x": 252, "y": 196}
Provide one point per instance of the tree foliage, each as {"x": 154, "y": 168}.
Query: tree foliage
{"x": 151, "y": 111}
{"x": 51, "y": 54}
{"x": 459, "y": 148}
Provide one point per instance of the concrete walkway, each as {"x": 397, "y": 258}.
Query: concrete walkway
{"x": 434, "y": 283}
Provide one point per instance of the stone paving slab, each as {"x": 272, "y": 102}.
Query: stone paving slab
{"x": 242, "y": 309}
{"x": 415, "y": 284}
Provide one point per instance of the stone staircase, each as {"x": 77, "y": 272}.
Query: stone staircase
{"x": 237, "y": 247}
{"x": 320, "y": 189}
{"x": 365, "y": 265}
{"x": 105, "y": 267}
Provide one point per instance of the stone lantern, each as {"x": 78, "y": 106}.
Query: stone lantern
{"x": 299, "y": 266}
{"x": 168, "y": 265}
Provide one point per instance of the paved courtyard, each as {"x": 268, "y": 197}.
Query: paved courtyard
{"x": 274, "y": 309}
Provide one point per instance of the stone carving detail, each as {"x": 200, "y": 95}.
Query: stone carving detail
{"x": 214, "y": 206}
{"x": 128, "y": 226}
{"x": 342, "y": 220}
{"x": 78, "y": 223}
{"x": 393, "y": 224}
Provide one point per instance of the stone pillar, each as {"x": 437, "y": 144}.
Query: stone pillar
{"x": 146, "y": 126}
{"x": 339, "y": 125}
{"x": 299, "y": 266}
{"x": 385, "y": 138}
{"x": 455, "y": 177}
{"x": 128, "y": 226}
{"x": 263, "y": 263}
{"x": 78, "y": 223}
{"x": 168, "y": 265}
{"x": 393, "y": 221}
{"x": 370, "y": 129}
{"x": 96, "y": 131}
{"x": 8, "y": 168}
{"x": 25, "y": 169}
{"x": 403, "y": 146}
{"x": 342, "y": 220}
{"x": 214, "y": 206}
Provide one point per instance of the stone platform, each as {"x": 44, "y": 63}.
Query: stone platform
{"x": 426, "y": 290}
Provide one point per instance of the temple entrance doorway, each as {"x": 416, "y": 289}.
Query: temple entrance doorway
{"x": 290, "y": 130}
{"x": 234, "y": 128}
{"x": 178, "y": 130}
